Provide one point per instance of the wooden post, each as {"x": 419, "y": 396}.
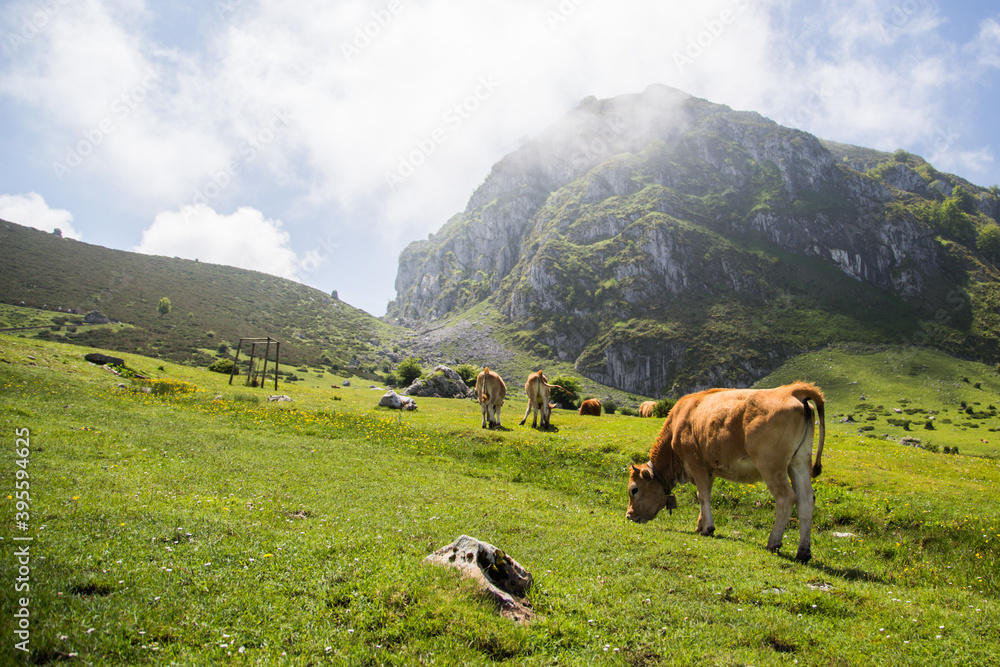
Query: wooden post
{"x": 277, "y": 354}
{"x": 235, "y": 361}
{"x": 253, "y": 354}
{"x": 267, "y": 352}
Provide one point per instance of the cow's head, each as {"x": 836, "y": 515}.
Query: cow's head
{"x": 646, "y": 494}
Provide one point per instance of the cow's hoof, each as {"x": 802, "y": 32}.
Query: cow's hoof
{"x": 774, "y": 549}
{"x": 708, "y": 532}
{"x": 803, "y": 555}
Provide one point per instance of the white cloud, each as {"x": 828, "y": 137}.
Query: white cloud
{"x": 974, "y": 163}
{"x": 244, "y": 239}
{"x": 986, "y": 46}
{"x": 370, "y": 85}
{"x": 31, "y": 210}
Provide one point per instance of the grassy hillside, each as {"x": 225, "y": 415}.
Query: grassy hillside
{"x": 896, "y": 393}
{"x": 200, "y": 524}
{"x": 211, "y": 304}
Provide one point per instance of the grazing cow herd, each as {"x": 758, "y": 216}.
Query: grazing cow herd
{"x": 742, "y": 435}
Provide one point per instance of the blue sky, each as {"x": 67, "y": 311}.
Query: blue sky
{"x": 315, "y": 140}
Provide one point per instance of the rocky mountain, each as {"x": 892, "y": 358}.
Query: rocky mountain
{"x": 665, "y": 243}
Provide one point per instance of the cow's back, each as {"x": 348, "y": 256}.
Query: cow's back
{"x": 709, "y": 425}
{"x": 733, "y": 431}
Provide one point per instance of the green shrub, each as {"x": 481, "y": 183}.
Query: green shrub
{"x": 223, "y": 366}
{"x": 610, "y": 406}
{"x": 662, "y": 408}
{"x": 468, "y": 373}
{"x": 954, "y": 223}
{"x": 988, "y": 242}
{"x": 567, "y": 399}
{"x": 409, "y": 369}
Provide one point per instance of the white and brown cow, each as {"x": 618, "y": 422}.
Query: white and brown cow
{"x": 646, "y": 409}
{"x": 743, "y": 435}
{"x": 490, "y": 392}
{"x": 537, "y": 390}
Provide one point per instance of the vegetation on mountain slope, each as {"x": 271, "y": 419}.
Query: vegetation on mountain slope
{"x": 662, "y": 243}
{"x": 180, "y": 309}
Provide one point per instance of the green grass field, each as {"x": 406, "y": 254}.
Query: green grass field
{"x": 200, "y": 524}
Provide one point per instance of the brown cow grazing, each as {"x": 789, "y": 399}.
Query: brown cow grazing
{"x": 490, "y": 391}
{"x": 646, "y": 409}
{"x": 743, "y": 435}
{"x": 591, "y": 407}
{"x": 537, "y": 390}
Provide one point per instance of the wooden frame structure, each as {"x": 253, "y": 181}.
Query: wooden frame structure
{"x": 253, "y": 351}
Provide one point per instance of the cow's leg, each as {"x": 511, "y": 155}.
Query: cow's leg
{"x": 485, "y": 413}
{"x": 531, "y": 404}
{"x": 805, "y": 500}
{"x": 784, "y": 497}
{"x": 706, "y": 526}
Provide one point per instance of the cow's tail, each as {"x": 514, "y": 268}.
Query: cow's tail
{"x": 555, "y": 386}
{"x": 485, "y": 397}
{"x": 806, "y": 392}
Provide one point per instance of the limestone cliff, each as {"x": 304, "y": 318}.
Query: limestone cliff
{"x": 664, "y": 242}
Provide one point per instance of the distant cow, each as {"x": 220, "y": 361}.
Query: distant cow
{"x": 743, "y": 435}
{"x": 537, "y": 390}
{"x": 490, "y": 392}
{"x": 591, "y": 407}
{"x": 646, "y": 409}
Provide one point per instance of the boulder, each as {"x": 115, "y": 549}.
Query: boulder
{"x": 103, "y": 359}
{"x": 279, "y": 398}
{"x": 442, "y": 382}
{"x": 394, "y": 401}
{"x": 501, "y": 578}
{"x": 95, "y": 317}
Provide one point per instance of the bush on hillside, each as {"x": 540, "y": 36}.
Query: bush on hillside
{"x": 468, "y": 373}
{"x": 409, "y": 369}
{"x": 223, "y": 366}
{"x": 988, "y": 242}
{"x": 565, "y": 399}
{"x": 662, "y": 408}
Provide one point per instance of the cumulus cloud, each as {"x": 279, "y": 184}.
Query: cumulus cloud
{"x": 376, "y": 119}
{"x": 31, "y": 210}
{"x": 986, "y": 47}
{"x": 245, "y": 239}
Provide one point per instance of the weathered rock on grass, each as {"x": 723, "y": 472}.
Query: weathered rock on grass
{"x": 104, "y": 359}
{"x": 501, "y": 578}
{"x": 443, "y": 382}
{"x": 394, "y": 401}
